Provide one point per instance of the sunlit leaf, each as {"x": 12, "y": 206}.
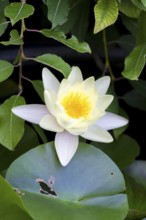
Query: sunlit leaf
{"x": 72, "y": 42}
{"x": 17, "y": 11}
{"x": 55, "y": 62}
{"x": 129, "y": 9}
{"x": 106, "y": 13}
{"x": 15, "y": 39}
{"x": 6, "y": 69}
{"x": 87, "y": 192}
{"x": 11, "y": 127}
{"x": 122, "y": 151}
{"x": 57, "y": 11}
{"x": 11, "y": 205}
{"x": 135, "y": 62}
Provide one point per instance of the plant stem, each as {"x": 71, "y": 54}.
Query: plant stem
{"x": 21, "y": 56}
{"x": 32, "y": 30}
{"x": 107, "y": 62}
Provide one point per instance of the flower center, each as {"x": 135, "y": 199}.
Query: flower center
{"x": 77, "y": 104}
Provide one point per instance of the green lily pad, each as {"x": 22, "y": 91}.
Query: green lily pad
{"x": 89, "y": 187}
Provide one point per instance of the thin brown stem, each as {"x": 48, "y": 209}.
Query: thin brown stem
{"x": 32, "y": 30}
{"x": 21, "y": 56}
{"x": 20, "y": 70}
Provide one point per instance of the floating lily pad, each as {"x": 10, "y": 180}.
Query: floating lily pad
{"x": 89, "y": 187}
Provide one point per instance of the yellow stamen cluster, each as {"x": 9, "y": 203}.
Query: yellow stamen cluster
{"x": 77, "y": 104}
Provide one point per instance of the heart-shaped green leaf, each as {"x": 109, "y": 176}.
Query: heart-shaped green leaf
{"x": 17, "y": 11}
{"x": 6, "y": 69}
{"x": 129, "y": 9}
{"x": 15, "y": 39}
{"x": 55, "y": 62}
{"x": 57, "y": 11}
{"x": 3, "y": 25}
{"x": 106, "y": 13}
{"x": 139, "y": 4}
{"x": 3, "y": 21}
{"x": 135, "y": 62}
{"x": 11, "y": 127}
{"x": 7, "y": 156}
{"x": 72, "y": 42}
{"x": 89, "y": 187}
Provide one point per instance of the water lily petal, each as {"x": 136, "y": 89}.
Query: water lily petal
{"x": 95, "y": 133}
{"x": 50, "y": 82}
{"x": 32, "y": 113}
{"x": 104, "y": 101}
{"x": 75, "y": 75}
{"x": 77, "y": 130}
{"x": 66, "y": 145}
{"x": 50, "y": 99}
{"x": 102, "y": 84}
{"x": 89, "y": 83}
{"x": 48, "y": 122}
{"x": 111, "y": 121}
{"x": 63, "y": 89}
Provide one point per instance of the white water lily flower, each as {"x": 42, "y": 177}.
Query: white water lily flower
{"x": 73, "y": 107}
